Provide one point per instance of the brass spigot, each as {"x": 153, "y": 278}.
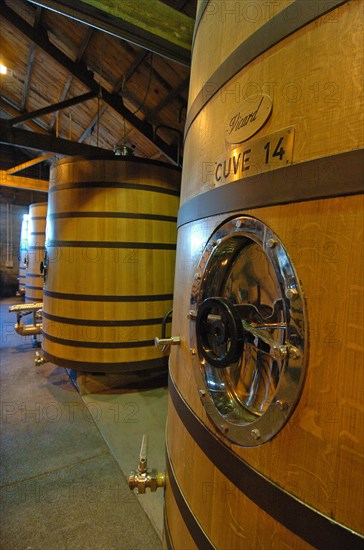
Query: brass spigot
{"x": 141, "y": 478}
{"x": 39, "y": 359}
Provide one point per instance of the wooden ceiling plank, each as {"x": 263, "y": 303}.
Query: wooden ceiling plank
{"x": 29, "y": 163}
{"x": 63, "y": 97}
{"x": 85, "y": 42}
{"x": 31, "y": 59}
{"x": 54, "y": 107}
{"x": 20, "y": 182}
{"x": 88, "y": 131}
{"x": 180, "y": 5}
{"x": 139, "y": 58}
{"x": 168, "y": 86}
{"x": 170, "y": 97}
{"x": 44, "y": 142}
{"x": 150, "y": 65}
{"x": 113, "y": 100}
{"x": 81, "y": 50}
{"x": 150, "y": 24}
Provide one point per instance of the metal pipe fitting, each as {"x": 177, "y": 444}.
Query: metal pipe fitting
{"x": 28, "y": 330}
{"x": 26, "y": 308}
{"x": 21, "y": 310}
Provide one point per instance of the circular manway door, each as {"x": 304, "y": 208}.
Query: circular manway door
{"x": 247, "y": 323}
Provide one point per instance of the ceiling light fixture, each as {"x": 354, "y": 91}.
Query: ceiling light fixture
{"x": 6, "y": 70}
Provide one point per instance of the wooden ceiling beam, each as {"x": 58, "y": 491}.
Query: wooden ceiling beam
{"x": 29, "y": 163}
{"x": 20, "y": 182}
{"x": 11, "y": 110}
{"x": 82, "y": 74}
{"x": 45, "y": 142}
{"x": 51, "y": 108}
{"x": 150, "y": 24}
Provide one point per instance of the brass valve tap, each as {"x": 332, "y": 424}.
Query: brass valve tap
{"x": 141, "y": 478}
{"x": 39, "y": 359}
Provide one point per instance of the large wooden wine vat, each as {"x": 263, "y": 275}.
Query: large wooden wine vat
{"x": 23, "y": 247}
{"x": 109, "y": 270}
{"x": 35, "y": 252}
{"x": 265, "y": 434}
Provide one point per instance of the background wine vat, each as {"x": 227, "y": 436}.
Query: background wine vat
{"x": 35, "y": 252}
{"x": 23, "y": 247}
{"x": 111, "y": 239}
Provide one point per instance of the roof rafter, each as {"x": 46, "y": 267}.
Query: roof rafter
{"x": 32, "y": 162}
{"x": 45, "y": 142}
{"x": 12, "y": 110}
{"x": 54, "y": 107}
{"x": 20, "y": 182}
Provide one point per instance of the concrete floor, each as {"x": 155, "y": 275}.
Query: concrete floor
{"x": 65, "y": 456}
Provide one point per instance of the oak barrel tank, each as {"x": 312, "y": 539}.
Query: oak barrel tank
{"x": 110, "y": 259}
{"x": 265, "y": 421}
{"x": 23, "y": 247}
{"x": 35, "y": 252}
